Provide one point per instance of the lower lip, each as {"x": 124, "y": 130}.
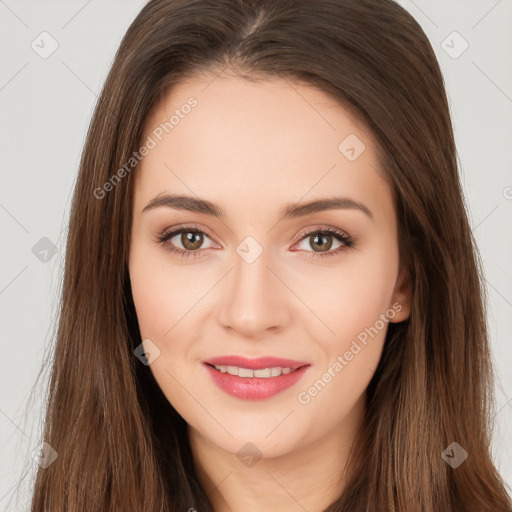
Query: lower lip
{"x": 254, "y": 388}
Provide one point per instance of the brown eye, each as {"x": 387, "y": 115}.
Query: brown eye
{"x": 324, "y": 242}
{"x": 185, "y": 241}
{"x": 321, "y": 241}
{"x": 191, "y": 240}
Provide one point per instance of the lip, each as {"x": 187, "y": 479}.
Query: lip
{"x": 257, "y": 363}
{"x": 255, "y": 388}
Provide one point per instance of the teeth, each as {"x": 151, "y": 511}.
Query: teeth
{"x": 232, "y": 370}
{"x": 245, "y": 372}
{"x": 263, "y": 373}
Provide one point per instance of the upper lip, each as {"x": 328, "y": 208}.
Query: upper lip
{"x": 255, "y": 364}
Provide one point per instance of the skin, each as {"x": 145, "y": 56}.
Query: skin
{"x": 253, "y": 148}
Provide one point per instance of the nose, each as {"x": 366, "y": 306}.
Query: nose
{"x": 255, "y": 300}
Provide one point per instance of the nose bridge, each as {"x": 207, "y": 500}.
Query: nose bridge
{"x": 253, "y": 301}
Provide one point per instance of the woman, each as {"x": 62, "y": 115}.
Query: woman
{"x": 272, "y": 296}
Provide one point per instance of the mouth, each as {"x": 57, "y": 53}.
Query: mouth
{"x": 254, "y": 379}
{"x": 260, "y": 373}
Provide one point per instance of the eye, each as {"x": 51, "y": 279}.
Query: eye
{"x": 322, "y": 239}
{"x": 187, "y": 243}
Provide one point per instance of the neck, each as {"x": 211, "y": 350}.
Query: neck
{"x": 311, "y": 477}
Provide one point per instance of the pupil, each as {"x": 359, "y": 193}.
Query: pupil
{"x": 325, "y": 239}
{"x": 191, "y": 240}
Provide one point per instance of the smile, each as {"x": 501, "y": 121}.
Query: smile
{"x": 263, "y": 373}
{"x": 254, "y": 383}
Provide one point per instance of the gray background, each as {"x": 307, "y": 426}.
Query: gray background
{"x": 46, "y": 104}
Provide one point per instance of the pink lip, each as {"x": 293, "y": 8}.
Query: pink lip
{"x": 254, "y": 388}
{"x": 255, "y": 364}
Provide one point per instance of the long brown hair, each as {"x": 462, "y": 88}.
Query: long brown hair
{"x": 121, "y": 446}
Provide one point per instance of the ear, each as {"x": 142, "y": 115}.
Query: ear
{"x": 402, "y": 296}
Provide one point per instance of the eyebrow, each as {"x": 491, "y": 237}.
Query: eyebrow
{"x": 290, "y": 211}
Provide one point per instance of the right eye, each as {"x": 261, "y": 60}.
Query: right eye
{"x": 190, "y": 238}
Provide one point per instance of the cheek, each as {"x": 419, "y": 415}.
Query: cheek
{"x": 360, "y": 300}
{"x": 351, "y": 297}
{"x": 336, "y": 387}
{"x": 356, "y": 304}
{"x": 152, "y": 303}
{"x": 162, "y": 292}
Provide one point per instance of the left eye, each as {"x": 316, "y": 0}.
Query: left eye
{"x": 322, "y": 239}
{"x": 191, "y": 240}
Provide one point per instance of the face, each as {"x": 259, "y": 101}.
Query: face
{"x": 290, "y": 302}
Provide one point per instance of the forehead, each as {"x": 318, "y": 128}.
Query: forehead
{"x": 265, "y": 141}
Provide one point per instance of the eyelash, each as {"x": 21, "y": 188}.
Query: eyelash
{"x": 347, "y": 241}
